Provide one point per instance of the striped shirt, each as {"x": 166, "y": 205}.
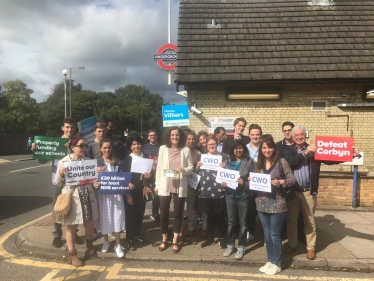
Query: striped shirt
{"x": 302, "y": 172}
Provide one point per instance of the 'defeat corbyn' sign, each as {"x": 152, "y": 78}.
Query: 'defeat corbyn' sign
{"x": 334, "y": 148}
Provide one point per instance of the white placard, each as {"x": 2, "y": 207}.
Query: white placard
{"x": 193, "y": 180}
{"x": 225, "y": 122}
{"x": 80, "y": 172}
{"x": 228, "y": 176}
{"x": 169, "y": 173}
{"x": 260, "y": 182}
{"x": 210, "y": 162}
{"x": 141, "y": 165}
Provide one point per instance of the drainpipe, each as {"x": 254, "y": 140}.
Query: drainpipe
{"x": 354, "y": 191}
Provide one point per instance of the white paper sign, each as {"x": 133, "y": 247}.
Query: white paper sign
{"x": 210, "y": 162}
{"x": 228, "y": 176}
{"x": 141, "y": 165}
{"x": 260, "y": 182}
{"x": 193, "y": 180}
{"x": 80, "y": 172}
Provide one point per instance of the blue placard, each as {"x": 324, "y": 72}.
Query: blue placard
{"x": 86, "y": 127}
{"x": 175, "y": 115}
{"x": 114, "y": 183}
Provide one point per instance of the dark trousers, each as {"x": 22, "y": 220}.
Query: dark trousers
{"x": 252, "y": 214}
{"x": 164, "y": 212}
{"x": 216, "y": 221}
{"x": 237, "y": 208}
{"x": 155, "y": 205}
{"x": 134, "y": 216}
{"x": 57, "y": 228}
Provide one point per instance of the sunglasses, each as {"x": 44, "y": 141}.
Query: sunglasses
{"x": 82, "y": 146}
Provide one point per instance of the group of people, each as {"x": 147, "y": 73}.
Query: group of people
{"x": 227, "y": 213}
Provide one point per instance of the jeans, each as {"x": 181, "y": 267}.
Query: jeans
{"x": 272, "y": 224}
{"x": 252, "y": 214}
{"x": 237, "y": 208}
{"x": 216, "y": 221}
{"x": 57, "y": 227}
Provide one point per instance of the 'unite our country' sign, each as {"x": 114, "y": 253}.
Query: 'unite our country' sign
{"x": 334, "y": 148}
{"x": 175, "y": 115}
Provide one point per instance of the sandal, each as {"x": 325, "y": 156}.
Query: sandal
{"x": 164, "y": 247}
{"x": 175, "y": 251}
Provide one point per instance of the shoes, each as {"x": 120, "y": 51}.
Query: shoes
{"x": 57, "y": 243}
{"x": 311, "y": 255}
{"x": 91, "y": 250}
{"x": 119, "y": 251}
{"x": 139, "y": 239}
{"x": 250, "y": 237}
{"x": 131, "y": 245}
{"x": 175, "y": 251}
{"x": 207, "y": 243}
{"x": 239, "y": 254}
{"x": 266, "y": 267}
{"x": 222, "y": 243}
{"x": 230, "y": 249}
{"x": 273, "y": 269}
{"x": 155, "y": 217}
{"x": 74, "y": 260}
{"x": 105, "y": 247}
{"x": 78, "y": 240}
{"x": 162, "y": 246}
{"x": 288, "y": 249}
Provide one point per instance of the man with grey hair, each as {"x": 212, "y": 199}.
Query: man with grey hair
{"x": 306, "y": 170}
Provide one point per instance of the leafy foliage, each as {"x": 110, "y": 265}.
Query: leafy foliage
{"x": 20, "y": 113}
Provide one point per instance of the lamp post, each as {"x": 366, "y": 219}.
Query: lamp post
{"x": 141, "y": 119}
{"x": 80, "y": 67}
{"x": 65, "y": 72}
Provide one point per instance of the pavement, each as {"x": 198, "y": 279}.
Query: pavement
{"x": 345, "y": 240}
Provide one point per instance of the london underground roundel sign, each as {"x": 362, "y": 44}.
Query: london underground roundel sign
{"x": 167, "y": 52}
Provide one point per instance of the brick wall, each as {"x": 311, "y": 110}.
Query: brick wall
{"x": 295, "y": 106}
{"x": 337, "y": 190}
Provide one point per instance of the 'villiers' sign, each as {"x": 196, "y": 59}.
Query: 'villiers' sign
{"x": 334, "y": 148}
{"x": 49, "y": 148}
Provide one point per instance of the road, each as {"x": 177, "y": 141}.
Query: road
{"x": 25, "y": 195}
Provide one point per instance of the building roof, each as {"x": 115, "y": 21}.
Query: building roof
{"x": 277, "y": 40}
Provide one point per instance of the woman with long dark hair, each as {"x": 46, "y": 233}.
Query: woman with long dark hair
{"x": 174, "y": 164}
{"x": 238, "y": 200}
{"x": 271, "y": 206}
{"x": 111, "y": 206}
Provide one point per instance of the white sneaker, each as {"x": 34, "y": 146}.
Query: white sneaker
{"x": 230, "y": 249}
{"x": 105, "y": 247}
{"x": 265, "y": 267}
{"x": 273, "y": 269}
{"x": 119, "y": 251}
{"x": 239, "y": 253}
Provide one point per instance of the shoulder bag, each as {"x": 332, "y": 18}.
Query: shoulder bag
{"x": 288, "y": 192}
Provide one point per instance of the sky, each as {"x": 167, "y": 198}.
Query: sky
{"x": 114, "y": 40}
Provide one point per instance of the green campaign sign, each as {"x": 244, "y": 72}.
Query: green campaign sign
{"x": 49, "y": 148}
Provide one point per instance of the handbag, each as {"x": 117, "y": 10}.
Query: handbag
{"x": 148, "y": 194}
{"x": 288, "y": 192}
{"x": 62, "y": 206}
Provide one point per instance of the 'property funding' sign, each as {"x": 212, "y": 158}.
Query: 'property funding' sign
{"x": 49, "y": 148}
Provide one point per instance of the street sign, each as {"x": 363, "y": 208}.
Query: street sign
{"x": 175, "y": 115}
{"x": 161, "y": 56}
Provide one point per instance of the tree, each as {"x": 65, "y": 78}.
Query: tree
{"x": 19, "y": 111}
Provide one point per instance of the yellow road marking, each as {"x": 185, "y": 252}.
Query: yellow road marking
{"x": 113, "y": 271}
{"x": 52, "y": 274}
{"x": 4, "y": 161}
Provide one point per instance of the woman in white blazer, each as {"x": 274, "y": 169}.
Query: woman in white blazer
{"x": 173, "y": 166}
